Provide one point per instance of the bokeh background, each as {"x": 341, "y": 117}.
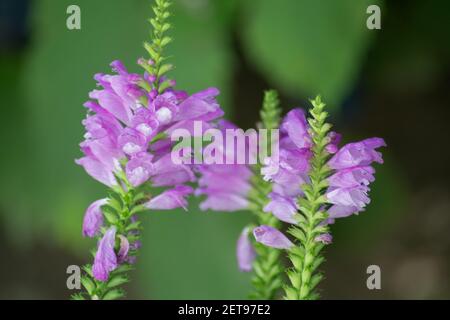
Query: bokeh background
{"x": 392, "y": 83}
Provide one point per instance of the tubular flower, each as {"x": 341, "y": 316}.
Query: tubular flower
{"x": 122, "y": 121}
{"x": 105, "y": 259}
{"x": 348, "y": 185}
{"x": 245, "y": 252}
{"x": 121, "y": 152}
{"x": 93, "y": 218}
{"x": 316, "y": 183}
{"x": 128, "y": 147}
{"x": 220, "y": 196}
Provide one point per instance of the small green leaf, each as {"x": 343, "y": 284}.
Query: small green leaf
{"x": 77, "y": 296}
{"x": 113, "y": 294}
{"x": 315, "y": 280}
{"x": 290, "y": 293}
{"x": 88, "y": 269}
{"x": 111, "y": 216}
{"x": 297, "y": 233}
{"x": 165, "y": 41}
{"x": 88, "y": 284}
{"x": 133, "y": 226}
{"x": 294, "y": 277}
{"x": 117, "y": 281}
{"x": 153, "y": 54}
{"x": 164, "y": 69}
{"x": 123, "y": 268}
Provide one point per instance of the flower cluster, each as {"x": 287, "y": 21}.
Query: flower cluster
{"x": 307, "y": 183}
{"x": 127, "y": 144}
{"x": 348, "y": 184}
{"x": 225, "y": 186}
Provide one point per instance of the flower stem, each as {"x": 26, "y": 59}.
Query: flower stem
{"x": 159, "y": 41}
{"x": 118, "y": 212}
{"x": 306, "y": 255}
{"x": 268, "y": 268}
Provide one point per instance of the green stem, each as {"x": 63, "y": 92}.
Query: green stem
{"x": 267, "y": 279}
{"x": 118, "y": 212}
{"x": 306, "y": 255}
{"x": 125, "y": 201}
{"x": 155, "y": 49}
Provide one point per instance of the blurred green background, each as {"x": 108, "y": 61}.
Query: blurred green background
{"x": 392, "y": 83}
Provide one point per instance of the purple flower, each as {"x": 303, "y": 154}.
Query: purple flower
{"x": 139, "y": 169}
{"x": 167, "y": 173}
{"x": 290, "y": 171}
{"x": 101, "y": 150}
{"x": 105, "y": 259}
{"x": 201, "y": 106}
{"x": 284, "y": 208}
{"x": 111, "y": 102}
{"x": 145, "y": 122}
{"x": 348, "y": 186}
{"x": 123, "y": 119}
{"x": 245, "y": 252}
{"x": 357, "y": 154}
{"x": 93, "y": 218}
{"x": 97, "y": 170}
{"x": 290, "y": 161}
{"x": 224, "y": 202}
{"x": 352, "y": 177}
{"x": 221, "y": 196}
{"x": 341, "y": 211}
{"x": 271, "y": 237}
{"x": 166, "y": 107}
{"x": 170, "y": 199}
{"x": 296, "y": 128}
{"x": 335, "y": 138}
{"x": 325, "y": 238}
{"x": 124, "y": 247}
{"x": 132, "y": 141}
{"x": 226, "y": 186}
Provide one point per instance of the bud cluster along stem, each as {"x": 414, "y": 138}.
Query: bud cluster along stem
{"x": 119, "y": 212}
{"x": 306, "y": 255}
{"x": 156, "y": 66}
{"x": 268, "y": 268}
{"x": 126, "y": 200}
{"x": 302, "y": 182}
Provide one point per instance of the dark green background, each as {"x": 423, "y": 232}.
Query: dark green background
{"x": 391, "y": 83}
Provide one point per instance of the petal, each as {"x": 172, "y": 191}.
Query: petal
{"x": 123, "y": 249}
{"x": 271, "y": 237}
{"x": 360, "y": 153}
{"x": 335, "y": 139}
{"x": 97, "y": 170}
{"x": 105, "y": 259}
{"x": 167, "y": 173}
{"x": 296, "y": 127}
{"x": 245, "y": 252}
{"x": 139, "y": 169}
{"x": 118, "y": 67}
{"x": 93, "y": 218}
{"x": 340, "y": 211}
{"x": 352, "y": 177}
{"x": 224, "y": 202}
{"x": 285, "y": 209}
{"x": 194, "y": 108}
{"x": 132, "y": 141}
{"x": 348, "y": 196}
{"x": 112, "y": 102}
{"x": 170, "y": 199}
{"x": 325, "y": 238}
